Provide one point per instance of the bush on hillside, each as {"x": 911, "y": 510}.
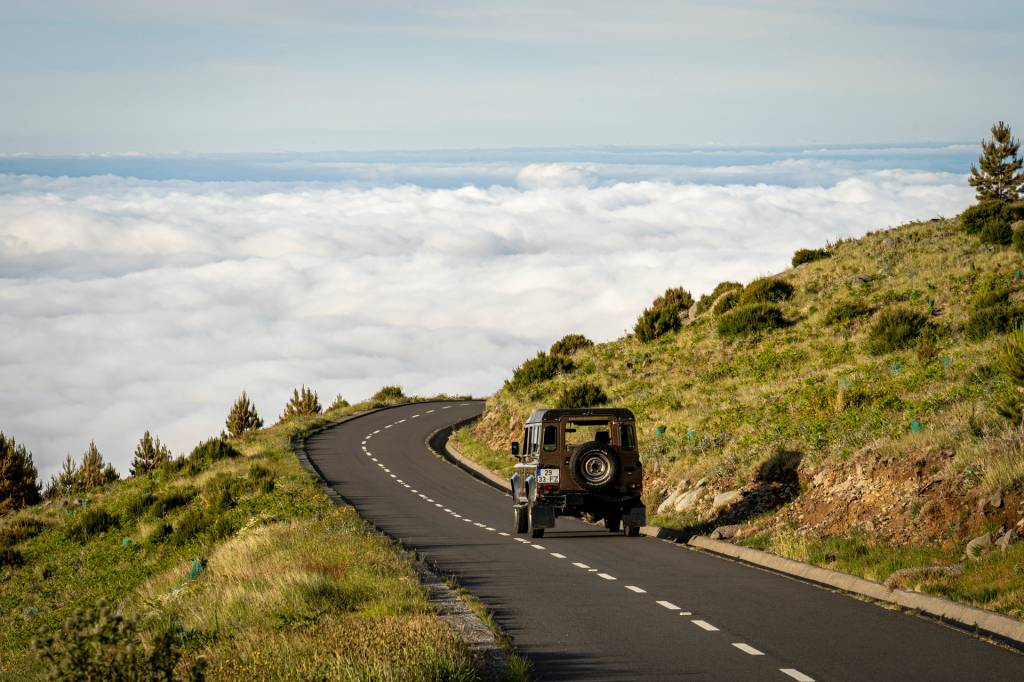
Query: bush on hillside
{"x": 656, "y": 322}
{"x": 582, "y": 394}
{"x": 751, "y": 319}
{"x": 992, "y": 221}
{"x": 11, "y": 557}
{"x": 89, "y": 523}
{"x": 243, "y": 417}
{"x": 303, "y": 403}
{"x": 727, "y": 302}
{"x": 570, "y": 343}
{"x": 540, "y": 368}
{"x": 100, "y": 644}
{"x": 664, "y": 315}
{"x": 206, "y": 453}
{"x": 708, "y": 300}
{"x": 338, "y": 404}
{"x": 261, "y": 478}
{"x": 172, "y": 499}
{"x": 388, "y": 395}
{"x": 1018, "y": 235}
{"x": 846, "y": 311}
{"x": 19, "y": 480}
{"x": 809, "y": 256}
{"x": 19, "y": 530}
{"x": 1010, "y": 363}
{"x": 895, "y": 329}
{"x": 766, "y": 290}
{"x": 991, "y": 311}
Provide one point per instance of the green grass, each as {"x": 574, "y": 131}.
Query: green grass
{"x": 245, "y": 558}
{"x": 814, "y": 387}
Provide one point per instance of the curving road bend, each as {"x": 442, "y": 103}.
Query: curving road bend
{"x": 582, "y": 604}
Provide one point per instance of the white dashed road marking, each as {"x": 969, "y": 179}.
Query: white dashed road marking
{"x": 747, "y": 649}
{"x": 490, "y": 529}
{"x": 438, "y": 504}
{"x": 606, "y": 576}
{"x": 668, "y": 605}
{"x": 634, "y": 588}
{"x": 557, "y": 555}
{"x": 522, "y": 540}
{"x": 579, "y": 565}
{"x": 504, "y": 534}
{"x": 704, "y": 625}
{"x": 429, "y": 411}
{"x": 538, "y": 546}
{"x": 796, "y": 674}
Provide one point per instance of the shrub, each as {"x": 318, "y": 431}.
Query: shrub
{"x": 89, "y": 523}
{"x": 11, "y": 557}
{"x": 727, "y": 302}
{"x": 171, "y": 500}
{"x": 338, "y": 404}
{"x": 664, "y": 314}
{"x": 656, "y": 322}
{"x": 208, "y": 452}
{"x": 927, "y": 348}
{"x": 262, "y": 478}
{"x": 150, "y": 454}
{"x": 304, "y": 403}
{"x": 708, "y": 300}
{"x": 138, "y": 504}
{"x": 19, "y": 530}
{"x": 1018, "y": 235}
{"x": 388, "y": 395}
{"x": 1010, "y": 363}
{"x": 766, "y": 290}
{"x": 809, "y": 256}
{"x": 993, "y": 319}
{"x": 243, "y": 417}
{"x": 894, "y": 329}
{"x": 222, "y": 492}
{"x": 99, "y": 644}
{"x": 751, "y": 319}
{"x": 846, "y": 311}
{"x": 161, "y": 532}
{"x": 974, "y": 219}
{"x": 540, "y": 368}
{"x": 19, "y": 480}
{"x": 678, "y": 298}
{"x": 992, "y": 221}
{"x": 570, "y": 343}
{"x": 582, "y": 394}
{"x": 189, "y": 526}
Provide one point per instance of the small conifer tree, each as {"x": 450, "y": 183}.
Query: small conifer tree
{"x": 304, "y": 402}
{"x": 150, "y": 454}
{"x": 93, "y": 472}
{"x": 997, "y": 176}
{"x": 243, "y": 417}
{"x": 65, "y": 482}
{"x": 19, "y": 485}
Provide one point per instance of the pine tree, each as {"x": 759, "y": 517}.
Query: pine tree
{"x": 65, "y": 482}
{"x": 150, "y": 454}
{"x": 93, "y": 472}
{"x": 243, "y": 417}
{"x": 999, "y": 178}
{"x": 303, "y": 403}
{"x": 19, "y": 485}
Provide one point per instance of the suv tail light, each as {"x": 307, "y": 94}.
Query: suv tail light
{"x": 547, "y": 487}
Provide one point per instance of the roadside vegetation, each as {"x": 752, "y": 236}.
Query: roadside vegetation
{"x": 890, "y": 369}
{"x": 227, "y": 563}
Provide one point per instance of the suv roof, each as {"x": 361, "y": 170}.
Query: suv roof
{"x": 619, "y": 413}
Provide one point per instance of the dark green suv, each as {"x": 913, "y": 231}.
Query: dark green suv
{"x": 582, "y": 463}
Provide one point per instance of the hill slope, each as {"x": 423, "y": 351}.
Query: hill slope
{"x": 858, "y": 461}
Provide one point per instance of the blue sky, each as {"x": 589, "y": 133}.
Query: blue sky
{"x": 312, "y": 75}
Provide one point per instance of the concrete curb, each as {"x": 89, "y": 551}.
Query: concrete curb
{"x": 994, "y": 624}
{"x": 452, "y": 454}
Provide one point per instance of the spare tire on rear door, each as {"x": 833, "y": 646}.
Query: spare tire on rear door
{"x": 594, "y": 466}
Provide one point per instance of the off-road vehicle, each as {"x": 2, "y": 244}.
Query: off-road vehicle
{"x": 581, "y": 463}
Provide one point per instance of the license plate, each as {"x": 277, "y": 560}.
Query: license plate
{"x": 547, "y": 475}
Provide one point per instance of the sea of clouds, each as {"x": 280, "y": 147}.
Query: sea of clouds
{"x": 150, "y": 302}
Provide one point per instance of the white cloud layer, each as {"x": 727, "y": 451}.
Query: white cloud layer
{"x": 129, "y": 305}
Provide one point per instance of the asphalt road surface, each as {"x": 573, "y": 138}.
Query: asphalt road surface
{"x": 583, "y": 604}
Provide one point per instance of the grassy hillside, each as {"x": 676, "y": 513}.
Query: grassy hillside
{"x": 242, "y": 562}
{"x": 882, "y": 459}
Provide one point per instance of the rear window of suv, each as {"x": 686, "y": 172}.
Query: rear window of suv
{"x": 550, "y": 438}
